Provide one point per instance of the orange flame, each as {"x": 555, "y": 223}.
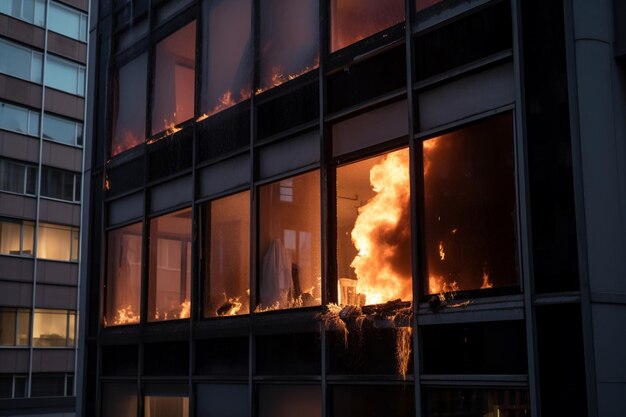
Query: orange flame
{"x": 225, "y": 102}
{"x": 382, "y": 235}
{"x": 278, "y": 77}
{"x": 486, "y": 283}
{"x": 124, "y": 315}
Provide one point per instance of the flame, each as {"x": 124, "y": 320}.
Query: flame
{"x": 403, "y": 349}
{"x": 382, "y": 235}
{"x": 442, "y": 253}
{"x": 225, "y": 102}
{"x": 185, "y": 309}
{"x": 127, "y": 140}
{"x": 124, "y": 315}
{"x": 486, "y": 282}
{"x": 278, "y": 77}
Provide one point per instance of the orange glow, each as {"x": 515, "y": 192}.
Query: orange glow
{"x": 123, "y": 141}
{"x": 403, "y": 349}
{"x": 185, "y": 310}
{"x": 124, "y": 315}
{"x": 382, "y": 233}
{"x": 486, "y": 283}
{"x": 225, "y": 102}
{"x": 279, "y": 77}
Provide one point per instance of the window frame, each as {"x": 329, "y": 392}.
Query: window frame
{"x": 33, "y": 78}
{"x": 27, "y": 167}
{"x": 17, "y": 311}
{"x": 41, "y": 4}
{"x": 30, "y": 114}
{"x": 70, "y": 316}
{"x": 82, "y": 21}
{"x": 78, "y": 130}
{"x": 80, "y": 72}
{"x": 72, "y": 231}
{"x": 76, "y": 182}
{"x": 22, "y": 224}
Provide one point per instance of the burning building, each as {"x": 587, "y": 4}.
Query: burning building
{"x": 335, "y": 208}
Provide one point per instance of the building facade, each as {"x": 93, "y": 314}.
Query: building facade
{"x": 342, "y": 208}
{"x": 43, "y": 53}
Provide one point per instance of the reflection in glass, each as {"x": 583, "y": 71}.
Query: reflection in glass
{"x": 289, "y": 40}
{"x": 129, "y": 105}
{"x": 170, "y": 266}
{"x": 228, "y": 264}
{"x": 119, "y": 400}
{"x": 62, "y": 130}
{"x": 166, "y": 406}
{"x": 290, "y": 400}
{"x": 174, "y": 79}
{"x": 472, "y": 402}
{"x": 425, "y": 4}
{"x": 123, "y": 282}
{"x": 226, "y": 54}
{"x": 374, "y": 230}
{"x": 353, "y": 20}
{"x": 220, "y": 400}
{"x": 469, "y": 192}
{"x": 289, "y": 243}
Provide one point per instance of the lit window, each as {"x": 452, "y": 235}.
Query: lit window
{"x": 16, "y": 237}
{"x": 32, "y": 11}
{"x": 20, "y": 62}
{"x": 157, "y": 406}
{"x": 227, "y": 64}
{"x": 170, "y": 266}
{"x": 62, "y": 130}
{"x": 470, "y": 218}
{"x": 289, "y": 243}
{"x": 18, "y": 119}
{"x": 57, "y": 242}
{"x": 289, "y": 38}
{"x": 123, "y": 283}
{"x": 17, "y": 177}
{"x": 14, "y": 327}
{"x": 129, "y": 105}
{"x": 374, "y": 230}
{"x": 54, "y": 328}
{"x": 60, "y": 184}
{"x": 67, "y": 21}
{"x": 353, "y": 20}
{"x": 227, "y": 269}
{"x": 65, "y": 75}
{"x": 174, "y": 79}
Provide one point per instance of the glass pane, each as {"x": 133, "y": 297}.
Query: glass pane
{"x": 6, "y": 384}
{"x": 174, "y": 79}
{"x": 289, "y": 38}
{"x": 424, "y": 4}
{"x": 47, "y": 385}
{"x": 228, "y": 263}
{"x": 54, "y": 242}
{"x": 12, "y": 176}
{"x": 289, "y": 401}
{"x": 129, "y": 105}
{"x": 13, "y": 118}
{"x": 123, "y": 284}
{"x": 23, "y": 327}
{"x": 50, "y": 328}
{"x": 166, "y": 407}
{"x": 227, "y": 64}
{"x": 7, "y": 327}
{"x": 374, "y": 230}
{"x": 56, "y": 183}
{"x": 119, "y": 400}
{"x": 63, "y": 75}
{"x": 353, "y": 20}
{"x": 75, "y": 244}
{"x": 59, "y": 130}
{"x": 36, "y": 67}
{"x": 28, "y": 238}
{"x": 472, "y": 402}
{"x": 374, "y": 401}
{"x": 10, "y": 236}
{"x": 64, "y": 20}
{"x": 71, "y": 328}
{"x": 220, "y": 400}
{"x": 20, "y": 386}
{"x": 15, "y": 60}
{"x": 169, "y": 272}
{"x": 31, "y": 180}
{"x": 289, "y": 243}
{"x": 469, "y": 192}
{"x": 33, "y": 123}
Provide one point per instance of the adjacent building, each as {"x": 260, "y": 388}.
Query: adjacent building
{"x": 43, "y": 54}
{"x": 354, "y": 208}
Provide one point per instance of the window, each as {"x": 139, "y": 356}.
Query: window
{"x": 67, "y": 21}
{"x": 20, "y": 62}
{"x": 218, "y": 400}
{"x": 289, "y": 243}
{"x": 289, "y": 40}
{"x": 174, "y": 79}
{"x": 32, "y": 11}
{"x": 123, "y": 279}
{"x": 14, "y": 327}
{"x": 19, "y": 119}
{"x": 54, "y": 328}
{"x": 16, "y": 177}
{"x": 374, "y": 230}
{"x": 227, "y": 268}
{"x": 289, "y": 400}
{"x": 65, "y": 75}
{"x": 441, "y": 402}
{"x": 227, "y": 65}
{"x": 129, "y": 105}
{"x": 12, "y": 386}
{"x": 353, "y": 20}
{"x": 170, "y": 266}
{"x": 52, "y": 385}
{"x": 158, "y": 406}
{"x": 119, "y": 400}
{"x": 470, "y": 212}
{"x": 16, "y": 237}
{"x": 57, "y": 242}
{"x": 62, "y": 130}
{"x": 60, "y": 184}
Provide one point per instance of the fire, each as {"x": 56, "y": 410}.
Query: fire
{"x": 442, "y": 253}
{"x": 382, "y": 234}
{"x": 124, "y": 315}
{"x": 486, "y": 282}
{"x": 225, "y": 102}
{"x": 185, "y": 310}
{"x": 403, "y": 349}
{"x": 230, "y": 307}
{"x": 279, "y": 77}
